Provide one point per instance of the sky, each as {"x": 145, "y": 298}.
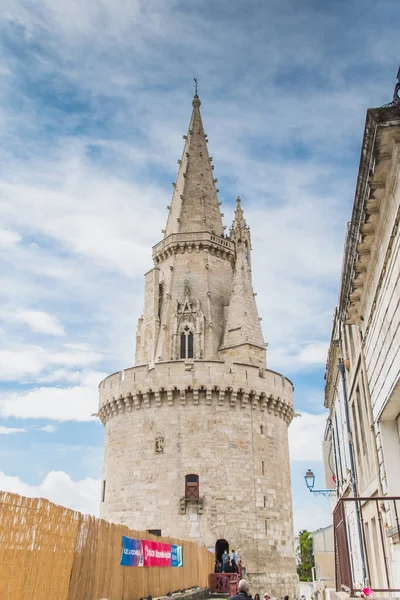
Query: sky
{"x": 94, "y": 99}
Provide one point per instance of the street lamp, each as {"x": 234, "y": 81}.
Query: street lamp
{"x": 309, "y": 478}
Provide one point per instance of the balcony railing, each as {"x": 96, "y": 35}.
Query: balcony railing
{"x": 223, "y": 583}
{"x": 365, "y": 533}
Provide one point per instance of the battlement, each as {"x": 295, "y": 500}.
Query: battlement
{"x": 196, "y": 382}
{"x": 189, "y": 242}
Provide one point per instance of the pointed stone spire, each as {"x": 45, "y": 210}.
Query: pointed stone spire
{"x": 195, "y": 205}
{"x": 243, "y": 327}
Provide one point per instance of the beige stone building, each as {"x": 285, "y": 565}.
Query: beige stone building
{"x": 324, "y": 557}
{"x": 196, "y": 442}
{"x": 363, "y": 370}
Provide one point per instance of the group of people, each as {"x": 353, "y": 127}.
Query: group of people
{"x": 227, "y": 563}
{"x": 243, "y": 592}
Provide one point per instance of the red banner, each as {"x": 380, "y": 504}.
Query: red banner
{"x": 156, "y": 554}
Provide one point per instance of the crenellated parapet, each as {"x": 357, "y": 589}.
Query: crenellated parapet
{"x": 179, "y": 243}
{"x": 191, "y": 383}
{"x": 138, "y": 399}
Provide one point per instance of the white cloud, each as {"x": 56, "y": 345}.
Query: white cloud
{"x": 59, "y": 404}
{"x": 306, "y": 434}
{"x": 39, "y": 321}
{"x": 84, "y": 377}
{"x": 48, "y": 428}
{"x": 9, "y": 430}
{"x": 30, "y": 361}
{"x": 60, "y": 376}
{"x": 91, "y": 213}
{"x": 75, "y": 403}
{"x": 16, "y": 364}
{"x": 314, "y": 354}
{"x": 297, "y": 357}
{"x": 9, "y": 238}
{"x": 83, "y": 495}
{"x": 92, "y": 379}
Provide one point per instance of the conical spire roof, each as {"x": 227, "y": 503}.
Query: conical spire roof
{"x": 195, "y": 206}
{"x": 242, "y": 323}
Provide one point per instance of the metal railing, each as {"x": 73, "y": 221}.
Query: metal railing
{"x": 365, "y": 530}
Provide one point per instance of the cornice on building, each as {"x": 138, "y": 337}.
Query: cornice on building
{"x": 331, "y": 371}
{"x": 373, "y": 183}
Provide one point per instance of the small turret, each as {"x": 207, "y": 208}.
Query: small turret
{"x": 243, "y": 338}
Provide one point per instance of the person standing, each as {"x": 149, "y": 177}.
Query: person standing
{"x": 228, "y": 568}
{"x": 243, "y": 591}
{"x": 225, "y": 558}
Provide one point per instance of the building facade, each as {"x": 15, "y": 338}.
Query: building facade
{"x": 196, "y": 442}
{"x": 324, "y": 557}
{"x": 362, "y": 393}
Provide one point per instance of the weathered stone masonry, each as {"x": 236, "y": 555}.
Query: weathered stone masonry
{"x": 200, "y": 400}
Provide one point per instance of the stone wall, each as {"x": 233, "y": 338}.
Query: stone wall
{"x": 233, "y": 436}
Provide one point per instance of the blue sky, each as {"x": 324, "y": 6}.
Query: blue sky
{"x": 95, "y": 98}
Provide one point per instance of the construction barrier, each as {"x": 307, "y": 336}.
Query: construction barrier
{"x": 48, "y": 552}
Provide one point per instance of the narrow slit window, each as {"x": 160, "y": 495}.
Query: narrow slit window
{"x": 103, "y": 491}
{"x": 190, "y": 345}
{"x": 261, "y": 429}
{"x": 183, "y": 345}
{"x": 262, "y": 468}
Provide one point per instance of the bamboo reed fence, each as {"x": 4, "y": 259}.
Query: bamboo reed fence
{"x": 48, "y": 552}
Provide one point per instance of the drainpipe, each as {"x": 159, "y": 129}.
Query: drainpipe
{"x": 334, "y": 455}
{"x": 342, "y": 370}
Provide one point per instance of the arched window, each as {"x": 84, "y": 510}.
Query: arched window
{"x": 183, "y": 345}
{"x": 192, "y": 487}
{"x": 186, "y": 343}
{"x": 190, "y": 345}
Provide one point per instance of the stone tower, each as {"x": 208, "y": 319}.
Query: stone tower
{"x": 196, "y": 441}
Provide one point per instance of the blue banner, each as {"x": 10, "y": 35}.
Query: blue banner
{"x": 176, "y": 556}
{"x": 131, "y": 555}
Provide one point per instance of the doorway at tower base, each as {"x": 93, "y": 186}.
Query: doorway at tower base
{"x": 220, "y": 547}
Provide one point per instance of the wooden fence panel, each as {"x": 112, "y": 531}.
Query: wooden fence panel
{"x": 37, "y": 546}
{"x": 98, "y": 553}
{"x": 48, "y": 552}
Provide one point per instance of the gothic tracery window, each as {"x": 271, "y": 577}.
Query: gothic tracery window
{"x": 186, "y": 343}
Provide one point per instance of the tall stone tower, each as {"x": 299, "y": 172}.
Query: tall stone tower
{"x": 196, "y": 441}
